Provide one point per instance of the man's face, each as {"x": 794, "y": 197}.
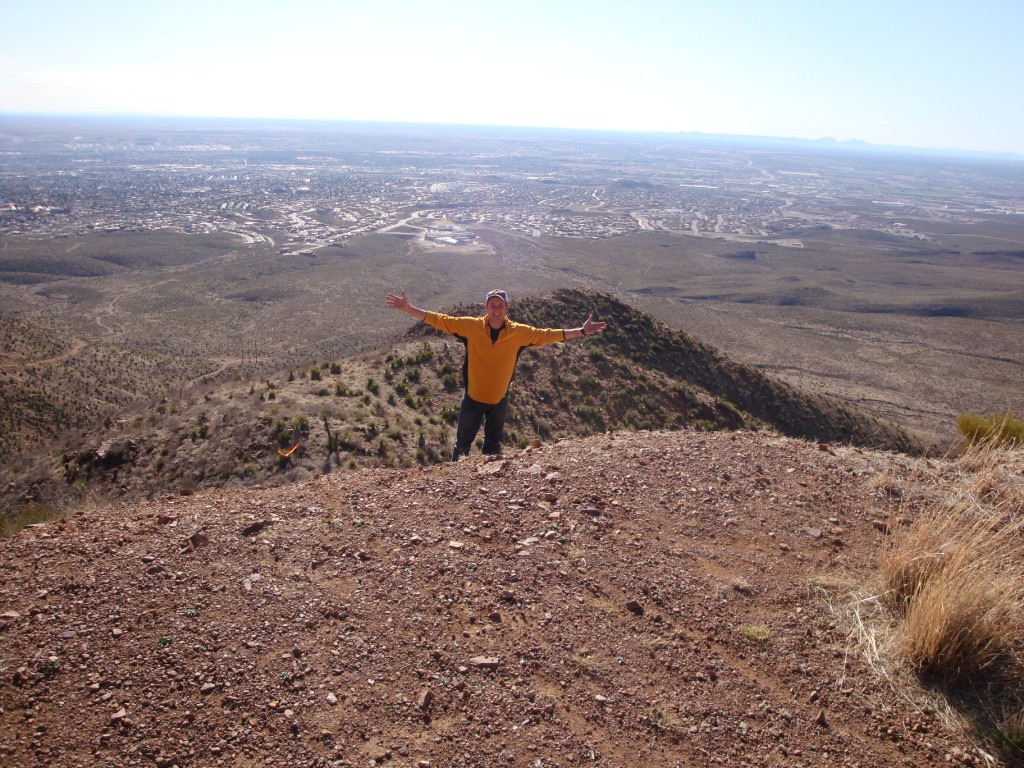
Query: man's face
{"x": 497, "y": 309}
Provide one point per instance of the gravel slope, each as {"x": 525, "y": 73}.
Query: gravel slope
{"x": 647, "y": 599}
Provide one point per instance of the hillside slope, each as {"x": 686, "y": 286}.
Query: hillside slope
{"x": 639, "y": 338}
{"x": 631, "y": 599}
{"x": 398, "y": 406}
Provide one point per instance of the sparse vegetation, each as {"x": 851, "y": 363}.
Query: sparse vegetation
{"x": 1001, "y": 429}
{"x": 587, "y": 664}
{"x": 954, "y": 582}
{"x": 87, "y": 357}
{"x": 759, "y": 633}
{"x": 25, "y": 515}
{"x": 661, "y": 719}
{"x": 573, "y": 389}
{"x": 956, "y": 579}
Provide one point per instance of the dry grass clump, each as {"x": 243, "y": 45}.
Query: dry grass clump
{"x": 759, "y": 633}
{"x": 1001, "y": 429}
{"x": 995, "y": 478}
{"x": 1009, "y": 730}
{"x": 963, "y": 623}
{"x": 956, "y": 577}
{"x": 954, "y": 581}
{"x": 28, "y": 514}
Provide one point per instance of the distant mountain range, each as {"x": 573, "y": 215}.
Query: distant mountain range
{"x": 21, "y": 121}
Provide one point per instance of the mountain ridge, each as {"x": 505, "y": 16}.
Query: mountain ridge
{"x": 397, "y": 407}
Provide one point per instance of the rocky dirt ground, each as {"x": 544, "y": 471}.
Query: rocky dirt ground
{"x": 647, "y": 599}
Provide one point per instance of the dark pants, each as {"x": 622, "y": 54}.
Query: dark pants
{"x": 470, "y": 415}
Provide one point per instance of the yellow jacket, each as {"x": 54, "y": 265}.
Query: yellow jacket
{"x": 488, "y": 368}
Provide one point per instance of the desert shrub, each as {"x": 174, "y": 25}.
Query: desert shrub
{"x": 426, "y": 353}
{"x": 950, "y": 609}
{"x": 759, "y": 633}
{"x": 955, "y": 577}
{"x": 1009, "y": 732}
{"x": 28, "y": 514}
{"x": 541, "y": 427}
{"x": 962, "y": 624}
{"x": 450, "y": 413}
{"x": 1001, "y": 429}
{"x": 590, "y": 414}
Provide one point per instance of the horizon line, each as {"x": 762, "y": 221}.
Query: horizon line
{"x": 822, "y": 141}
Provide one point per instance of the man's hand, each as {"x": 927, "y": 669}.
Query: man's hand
{"x": 592, "y": 326}
{"x": 397, "y": 302}
{"x": 402, "y": 302}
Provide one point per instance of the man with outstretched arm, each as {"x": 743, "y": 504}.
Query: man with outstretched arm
{"x": 493, "y": 345}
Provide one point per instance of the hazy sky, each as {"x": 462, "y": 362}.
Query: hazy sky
{"x": 923, "y": 73}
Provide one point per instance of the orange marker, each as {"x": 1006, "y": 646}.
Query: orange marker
{"x": 286, "y": 455}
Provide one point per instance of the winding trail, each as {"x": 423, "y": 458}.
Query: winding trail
{"x": 77, "y": 345}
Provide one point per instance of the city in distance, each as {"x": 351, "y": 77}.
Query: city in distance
{"x": 192, "y": 250}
